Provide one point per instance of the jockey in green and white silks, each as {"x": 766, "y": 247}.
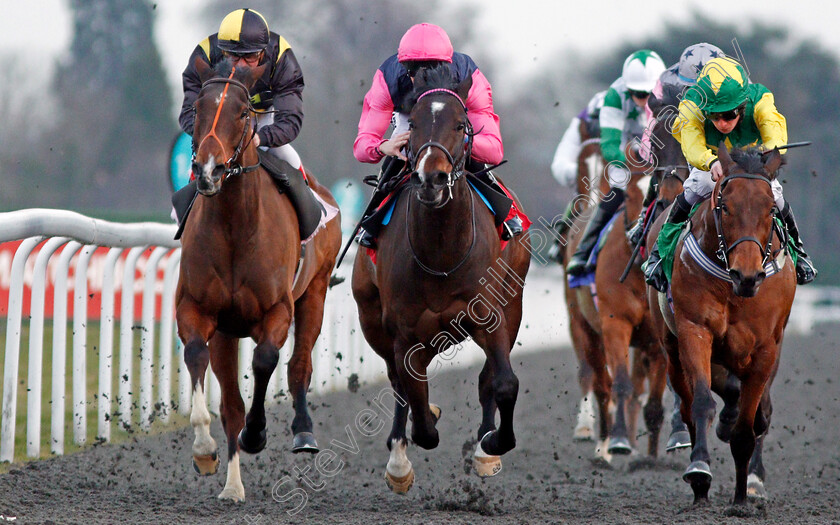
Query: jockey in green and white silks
{"x": 724, "y": 105}
{"x": 622, "y": 117}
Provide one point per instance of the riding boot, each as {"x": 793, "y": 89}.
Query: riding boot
{"x": 511, "y": 227}
{"x": 606, "y": 209}
{"x": 561, "y": 227}
{"x": 634, "y": 234}
{"x": 391, "y": 167}
{"x": 805, "y": 270}
{"x": 654, "y": 273}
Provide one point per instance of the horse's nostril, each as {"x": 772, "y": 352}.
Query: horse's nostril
{"x": 441, "y": 178}
{"x": 196, "y": 169}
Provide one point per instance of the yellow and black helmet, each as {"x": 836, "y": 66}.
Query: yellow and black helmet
{"x": 243, "y": 31}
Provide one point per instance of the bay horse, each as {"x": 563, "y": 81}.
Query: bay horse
{"x": 240, "y": 249}
{"x": 604, "y": 333}
{"x": 440, "y": 277}
{"x": 732, "y": 289}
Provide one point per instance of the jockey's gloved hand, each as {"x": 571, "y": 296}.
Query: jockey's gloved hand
{"x": 634, "y": 234}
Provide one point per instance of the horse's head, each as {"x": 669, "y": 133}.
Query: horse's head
{"x": 224, "y": 123}
{"x": 440, "y": 140}
{"x": 743, "y": 207}
{"x": 671, "y": 167}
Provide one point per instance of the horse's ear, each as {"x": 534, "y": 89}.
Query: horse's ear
{"x": 773, "y": 160}
{"x": 205, "y": 72}
{"x": 723, "y": 157}
{"x": 254, "y": 74}
{"x": 464, "y": 88}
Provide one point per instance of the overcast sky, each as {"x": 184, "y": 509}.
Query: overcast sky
{"x": 522, "y": 32}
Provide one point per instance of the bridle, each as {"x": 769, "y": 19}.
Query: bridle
{"x": 457, "y": 170}
{"x": 231, "y": 167}
{"x": 724, "y": 249}
{"x": 454, "y": 174}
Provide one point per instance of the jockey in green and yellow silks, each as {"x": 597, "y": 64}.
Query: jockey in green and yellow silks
{"x": 724, "y": 105}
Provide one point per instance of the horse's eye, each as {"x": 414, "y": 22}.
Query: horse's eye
{"x": 461, "y": 127}
{"x": 410, "y": 125}
{"x": 724, "y": 208}
{"x": 244, "y": 114}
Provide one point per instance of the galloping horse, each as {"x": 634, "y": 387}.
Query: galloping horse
{"x": 604, "y": 334}
{"x": 440, "y": 277}
{"x": 240, "y": 249}
{"x": 732, "y": 289}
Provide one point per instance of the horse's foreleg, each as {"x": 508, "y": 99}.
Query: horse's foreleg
{"x": 487, "y": 400}
{"x": 224, "y": 358}
{"x": 638, "y": 376}
{"x": 585, "y": 425}
{"x": 748, "y": 444}
{"x": 616, "y": 334}
{"x": 695, "y": 360}
{"x": 195, "y": 332}
{"x": 505, "y": 391}
{"x": 728, "y": 387}
{"x": 743, "y": 439}
{"x": 399, "y": 474}
{"x": 309, "y": 314}
{"x": 253, "y": 438}
{"x": 411, "y": 363}
{"x": 653, "y": 412}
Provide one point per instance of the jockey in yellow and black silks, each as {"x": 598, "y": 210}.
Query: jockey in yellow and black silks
{"x": 724, "y": 105}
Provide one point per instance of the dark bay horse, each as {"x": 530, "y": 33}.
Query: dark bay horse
{"x": 732, "y": 289}
{"x": 440, "y": 277}
{"x": 604, "y": 334}
{"x": 240, "y": 249}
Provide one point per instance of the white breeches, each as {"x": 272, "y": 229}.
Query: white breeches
{"x": 286, "y": 151}
{"x": 699, "y": 187}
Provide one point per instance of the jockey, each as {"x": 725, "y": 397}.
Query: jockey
{"x": 621, "y": 118}
{"x": 724, "y": 105}
{"x": 564, "y": 166}
{"x": 244, "y": 39}
{"x": 669, "y": 91}
{"x": 424, "y": 46}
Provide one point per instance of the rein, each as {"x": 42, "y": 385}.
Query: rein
{"x": 231, "y": 168}
{"x": 723, "y": 250}
{"x": 428, "y": 269}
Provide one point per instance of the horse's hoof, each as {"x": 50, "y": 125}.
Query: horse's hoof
{"x": 236, "y": 495}
{"x": 678, "y": 440}
{"x": 755, "y": 487}
{"x": 583, "y": 433}
{"x": 620, "y": 446}
{"x": 305, "y": 442}
{"x": 602, "y": 453}
{"x": 698, "y": 472}
{"x": 433, "y": 408}
{"x": 206, "y": 464}
{"x": 250, "y": 445}
{"x": 436, "y": 412}
{"x": 486, "y": 465}
{"x": 400, "y": 485}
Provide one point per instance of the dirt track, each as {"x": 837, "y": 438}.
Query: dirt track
{"x": 546, "y": 479}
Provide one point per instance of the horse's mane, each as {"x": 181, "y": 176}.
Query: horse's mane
{"x": 222, "y": 70}
{"x": 750, "y": 160}
{"x": 438, "y": 77}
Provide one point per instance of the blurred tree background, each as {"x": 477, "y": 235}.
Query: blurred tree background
{"x": 96, "y": 139}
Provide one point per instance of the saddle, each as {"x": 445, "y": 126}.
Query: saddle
{"x": 286, "y": 179}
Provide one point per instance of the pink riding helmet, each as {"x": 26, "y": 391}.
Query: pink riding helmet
{"x": 425, "y": 42}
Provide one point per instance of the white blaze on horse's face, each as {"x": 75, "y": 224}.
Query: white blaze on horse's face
{"x": 437, "y": 107}
{"x": 421, "y": 166}
{"x": 643, "y": 184}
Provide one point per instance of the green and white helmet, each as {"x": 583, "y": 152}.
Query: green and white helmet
{"x": 641, "y": 70}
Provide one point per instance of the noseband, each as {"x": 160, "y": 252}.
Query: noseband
{"x": 231, "y": 168}
{"x": 457, "y": 166}
{"x": 723, "y": 249}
